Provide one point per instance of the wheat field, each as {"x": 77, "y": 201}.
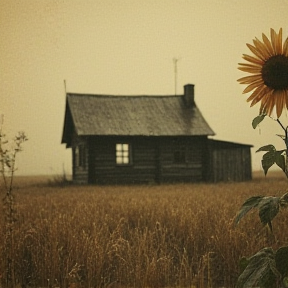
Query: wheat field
{"x": 179, "y": 235}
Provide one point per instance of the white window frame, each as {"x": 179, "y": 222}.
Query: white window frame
{"x": 123, "y": 154}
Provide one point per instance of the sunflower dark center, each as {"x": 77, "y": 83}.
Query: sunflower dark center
{"x": 275, "y": 72}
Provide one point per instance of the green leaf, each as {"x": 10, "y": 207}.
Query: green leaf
{"x": 257, "y": 120}
{"x": 260, "y": 271}
{"x": 249, "y": 204}
{"x": 243, "y": 263}
{"x": 281, "y": 258}
{"x": 271, "y": 157}
{"x": 267, "y": 161}
{"x": 268, "y": 209}
{"x": 280, "y": 160}
{"x": 269, "y": 148}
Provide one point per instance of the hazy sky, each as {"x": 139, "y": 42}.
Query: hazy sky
{"x": 127, "y": 47}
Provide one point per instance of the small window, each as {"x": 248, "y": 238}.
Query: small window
{"x": 80, "y": 156}
{"x": 180, "y": 154}
{"x": 123, "y": 152}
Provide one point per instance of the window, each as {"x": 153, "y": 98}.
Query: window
{"x": 123, "y": 152}
{"x": 180, "y": 154}
{"x": 80, "y": 156}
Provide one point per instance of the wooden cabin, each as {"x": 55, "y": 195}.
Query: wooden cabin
{"x": 144, "y": 139}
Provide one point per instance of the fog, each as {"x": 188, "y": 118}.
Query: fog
{"x": 127, "y": 47}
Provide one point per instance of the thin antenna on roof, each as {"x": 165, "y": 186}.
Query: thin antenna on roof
{"x": 175, "y": 60}
{"x": 65, "y": 87}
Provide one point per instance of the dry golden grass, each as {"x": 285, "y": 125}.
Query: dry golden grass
{"x": 137, "y": 236}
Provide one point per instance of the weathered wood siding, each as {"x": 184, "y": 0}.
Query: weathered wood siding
{"x": 192, "y": 170}
{"x": 104, "y": 169}
{"x": 229, "y": 162}
{"x": 80, "y": 172}
{"x": 231, "y": 165}
{"x": 152, "y": 160}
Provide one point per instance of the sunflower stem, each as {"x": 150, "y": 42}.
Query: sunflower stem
{"x": 285, "y": 129}
{"x": 286, "y": 144}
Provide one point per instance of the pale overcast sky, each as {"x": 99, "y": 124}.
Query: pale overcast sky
{"x": 127, "y": 47}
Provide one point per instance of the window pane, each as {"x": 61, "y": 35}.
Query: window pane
{"x": 122, "y": 153}
{"x": 125, "y": 147}
{"x": 118, "y": 147}
{"x": 119, "y": 153}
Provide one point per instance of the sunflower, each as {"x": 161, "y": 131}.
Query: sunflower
{"x": 269, "y": 69}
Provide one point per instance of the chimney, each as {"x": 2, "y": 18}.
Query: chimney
{"x": 189, "y": 95}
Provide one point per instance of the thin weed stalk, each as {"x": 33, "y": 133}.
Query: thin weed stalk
{"x": 8, "y": 153}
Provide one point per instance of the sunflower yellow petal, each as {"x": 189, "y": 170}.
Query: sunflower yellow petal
{"x": 277, "y": 94}
{"x": 283, "y": 99}
{"x": 252, "y": 59}
{"x": 250, "y": 69}
{"x": 251, "y": 65}
{"x": 262, "y": 109}
{"x": 267, "y": 104}
{"x": 262, "y": 48}
{"x": 252, "y": 86}
{"x": 261, "y": 97}
{"x": 286, "y": 98}
{"x": 255, "y": 51}
{"x": 285, "y": 47}
{"x": 273, "y": 39}
{"x": 271, "y": 103}
{"x": 279, "y": 42}
{"x": 258, "y": 95}
{"x": 249, "y": 79}
{"x": 268, "y": 44}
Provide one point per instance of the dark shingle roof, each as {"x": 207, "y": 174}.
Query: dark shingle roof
{"x": 133, "y": 115}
